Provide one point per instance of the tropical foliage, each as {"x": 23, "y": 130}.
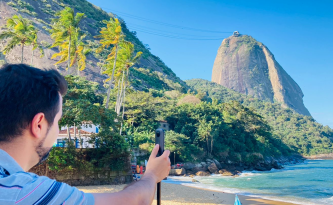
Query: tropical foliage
{"x": 67, "y": 36}
{"x": 301, "y": 133}
{"x": 110, "y": 35}
{"x": 19, "y": 31}
{"x": 82, "y": 104}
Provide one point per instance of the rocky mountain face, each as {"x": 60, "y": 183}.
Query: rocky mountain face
{"x": 150, "y": 72}
{"x": 247, "y": 66}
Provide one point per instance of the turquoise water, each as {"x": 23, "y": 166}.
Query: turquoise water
{"x": 308, "y": 183}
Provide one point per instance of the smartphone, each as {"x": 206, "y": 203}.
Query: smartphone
{"x": 159, "y": 139}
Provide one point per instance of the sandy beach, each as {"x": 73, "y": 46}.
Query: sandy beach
{"x": 174, "y": 194}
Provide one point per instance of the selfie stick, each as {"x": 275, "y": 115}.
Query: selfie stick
{"x": 159, "y": 139}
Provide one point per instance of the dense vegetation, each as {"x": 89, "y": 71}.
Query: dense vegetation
{"x": 82, "y": 104}
{"x": 199, "y": 129}
{"x": 209, "y": 121}
{"x": 301, "y": 133}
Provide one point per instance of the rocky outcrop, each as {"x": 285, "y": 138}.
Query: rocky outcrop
{"x": 229, "y": 168}
{"x": 202, "y": 173}
{"x": 213, "y": 168}
{"x": 247, "y": 66}
{"x": 177, "y": 172}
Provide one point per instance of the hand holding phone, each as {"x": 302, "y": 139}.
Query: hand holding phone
{"x": 158, "y": 164}
{"x": 159, "y": 139}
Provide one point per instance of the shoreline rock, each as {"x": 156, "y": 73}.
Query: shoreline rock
{"x": 229, "y": 168}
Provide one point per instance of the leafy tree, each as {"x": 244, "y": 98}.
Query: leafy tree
{"x": 81, "y": 51}
{"x": 82, "y": 104}
{"x": 125, "y": 61}
{"x": 20, "y": 31}
{"x": 143, "y": 110}
{"x": 66, "y": 32}
{"x": 225, "y": 131}
{"x": 110, "y": 35}
{"x": 182, "y": 146}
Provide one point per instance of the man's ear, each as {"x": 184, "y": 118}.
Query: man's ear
{"x": 38, "y": 125}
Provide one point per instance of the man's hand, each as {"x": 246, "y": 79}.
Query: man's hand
{"x": 158, "y": 167}
{"x": 143, "y": 191}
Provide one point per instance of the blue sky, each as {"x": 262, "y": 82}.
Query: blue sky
{"x": 299, "y": 34}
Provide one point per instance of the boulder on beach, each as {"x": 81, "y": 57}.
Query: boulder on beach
{"x": 202, "y": 173}
{"x": 218, "y": 164}
{"x": 200, "y": 167}
{"x": 213, "y": 168}
{"x": 177, "y": 172}
{"x": 188, "y": 165}
{"x": 225, "y": 172}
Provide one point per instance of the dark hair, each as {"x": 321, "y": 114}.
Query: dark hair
{"x": 24, "y": 92}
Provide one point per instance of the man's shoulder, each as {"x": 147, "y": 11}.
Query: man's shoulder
{"x": 31, "y": 188}
{"x": 21, "y": 179}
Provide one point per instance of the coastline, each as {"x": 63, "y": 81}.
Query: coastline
{"x": 228, "y": 168}
{"x": 176, "y": 194}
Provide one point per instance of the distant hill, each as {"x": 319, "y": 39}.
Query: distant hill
{"x": 247, "y": 66}
{"x": 302, "y": 133}
{"x": 150, "y": 72}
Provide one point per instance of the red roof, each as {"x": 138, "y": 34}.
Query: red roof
{"x": 64, "y": 132}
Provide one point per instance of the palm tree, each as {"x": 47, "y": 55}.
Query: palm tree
{"x": 36, "y": 45}
{"x": 110, "y": 35}
{"x": 64, "y": 31}
{"x": 80, "y": 54}
{"x": 20, "y": 31}
{"x": 125, "y": 61}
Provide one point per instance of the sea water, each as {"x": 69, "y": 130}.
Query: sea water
{"x": 307, "y": 183}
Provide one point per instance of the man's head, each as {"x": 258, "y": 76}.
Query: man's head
{"x": 31, "y": 106}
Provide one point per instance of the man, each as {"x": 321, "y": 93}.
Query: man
{"x": 30, "y": 109}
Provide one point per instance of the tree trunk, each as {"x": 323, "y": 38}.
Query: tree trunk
{"x": 207, "y": 146}
{"x": 111, "y": 81}
{"x": 115, "y": 108}
{"x": 125, "y": 93}
{"x": 69, "y": 54}
{"x": 211, "y": 145}
{"x": 68, "y": 133}
{"x": 32, "y": 57}
{"x": 22, "y": 53}
{"x": 80, "y": 139}
{"x": 121, "y": 95}
{"x": 75, "y": 135}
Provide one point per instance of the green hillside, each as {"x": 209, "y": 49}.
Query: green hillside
{"x": 301, "y": 133}
{"x": 149, "y": 72}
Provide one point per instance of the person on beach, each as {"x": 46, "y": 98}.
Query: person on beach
{"x": 137, "y": 169}
{"x": 31, "y": 107}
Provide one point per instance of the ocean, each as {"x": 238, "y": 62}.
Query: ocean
{"x": 307, "y": 183}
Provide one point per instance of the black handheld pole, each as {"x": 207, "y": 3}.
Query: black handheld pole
{"x": 159, "y": 139}
{"x": 159, "y": 193}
